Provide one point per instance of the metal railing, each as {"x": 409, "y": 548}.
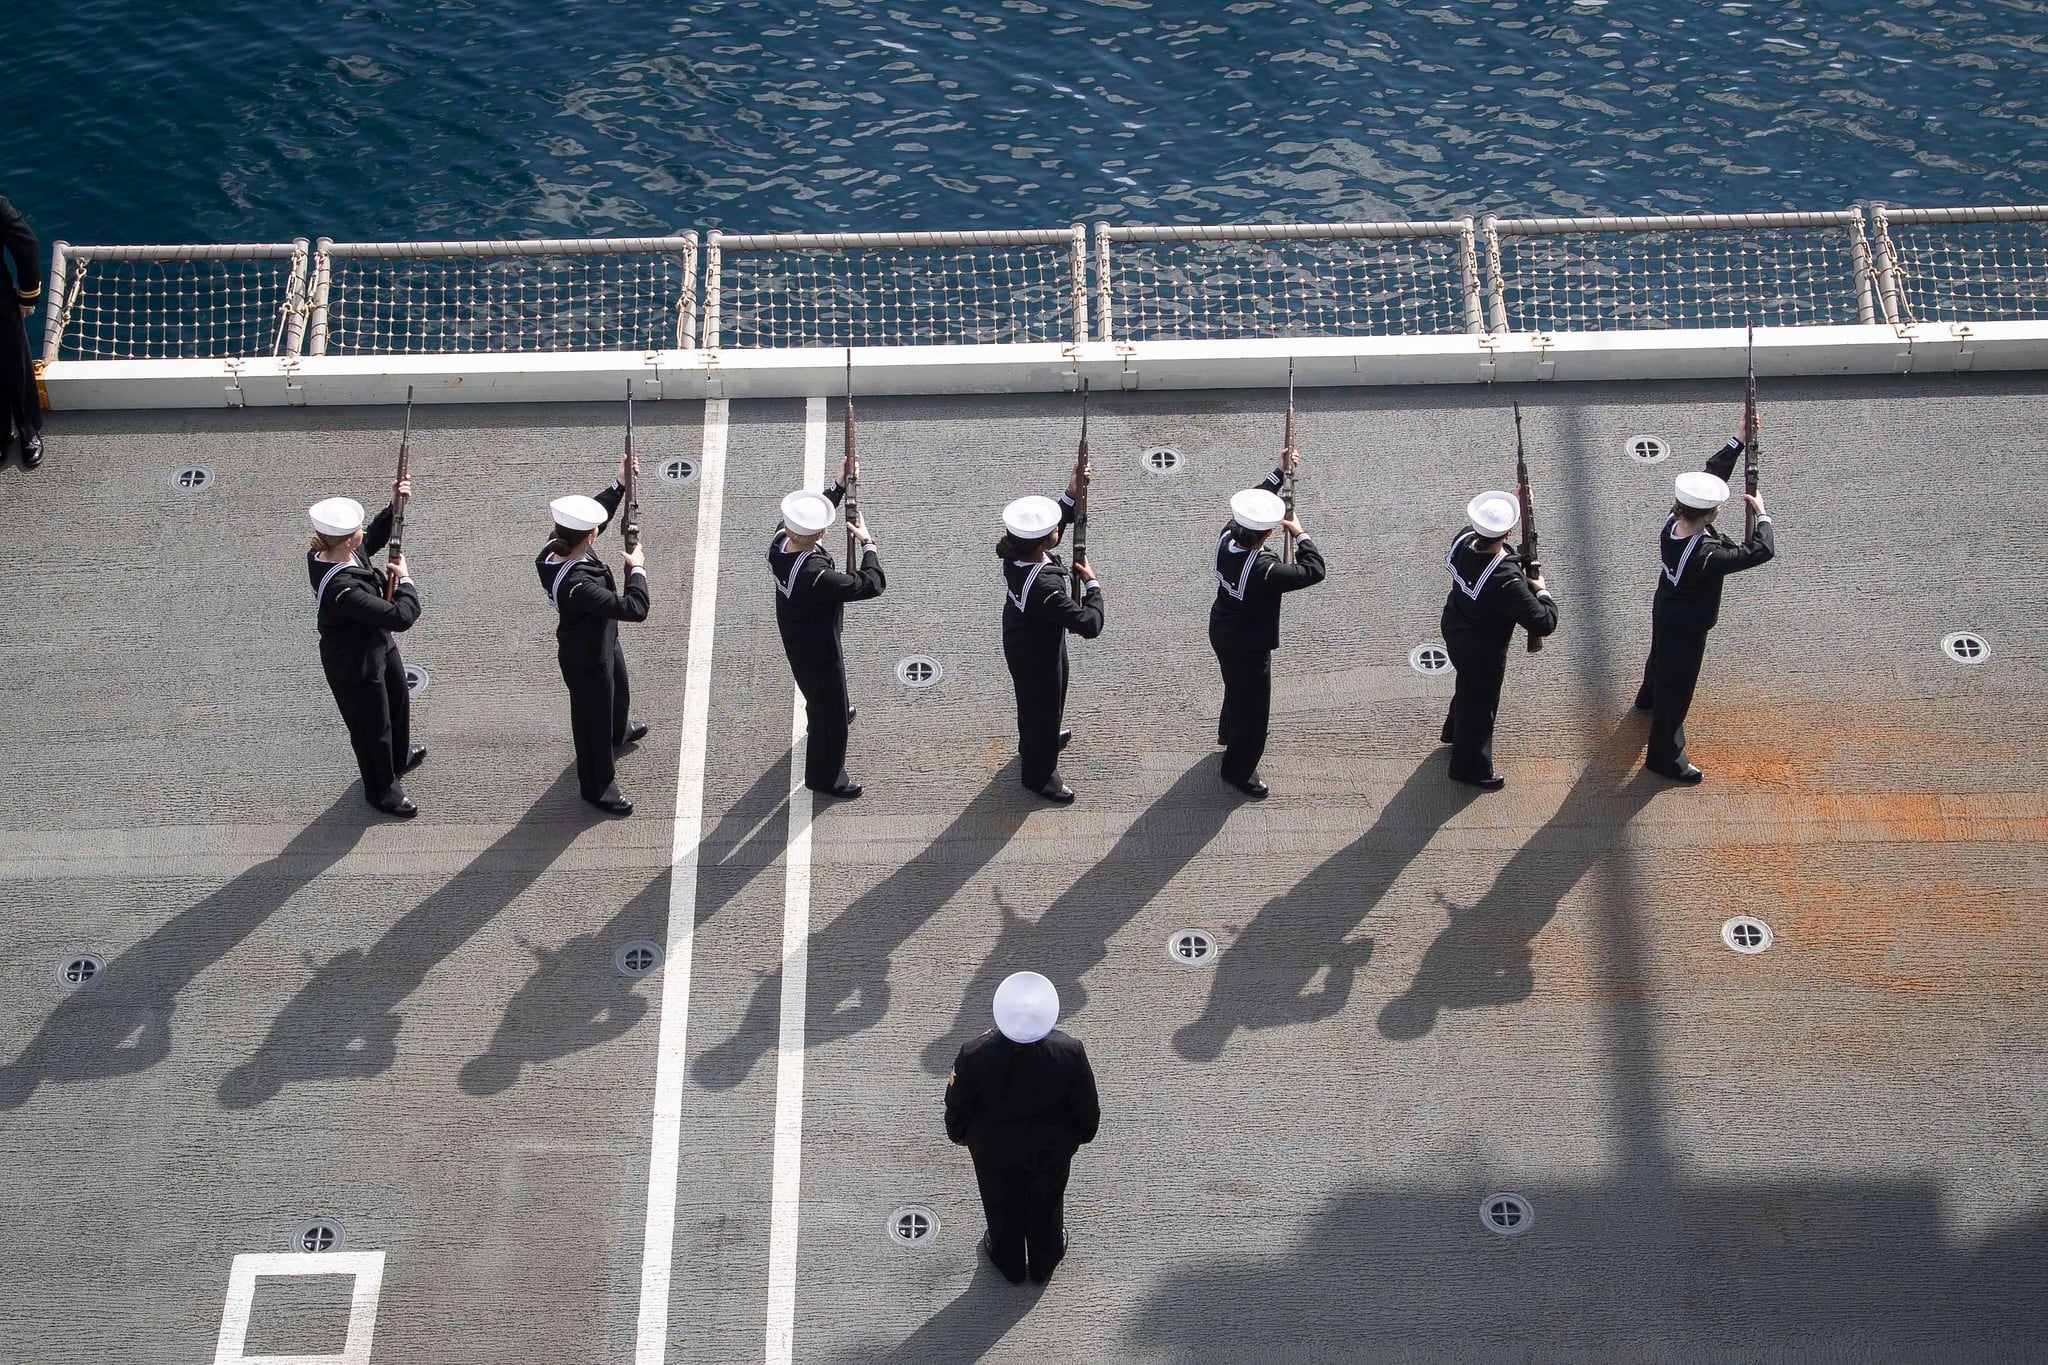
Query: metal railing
{"x": 786, "y": 290}
{"x": 1676, "y": 271}
{"x": 548, "y": 294}
{"x": 175, "y": 302}
{"x": 1998, "y": 271}
{"x": 1286, "y": 280}
{"x": 895, "y": 288}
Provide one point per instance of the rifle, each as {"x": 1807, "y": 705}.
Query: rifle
{"x": 1752, "y": 439}
{"x": 1287, "y": 485}
{"x": 1081, "y": 487}
{"x": 395, "y": 547}
{"x": 629, "y": 530}
{"x": 852, "y": 479}
{"x": 1528, "y": 553}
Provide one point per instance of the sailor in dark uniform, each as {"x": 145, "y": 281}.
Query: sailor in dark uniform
{"x": 1694, "y": 558}
{"x": 581, "y": 588}
{"x": 356, "y": 649}
{"x": 1037, "y": 614}
{"x": 1489, "y": 597}
{"x": 810, "y": 598}
{"x": 18, "y": 298}
{"x": 1022, "y": 1100}
{"x": 1244, "y": 622}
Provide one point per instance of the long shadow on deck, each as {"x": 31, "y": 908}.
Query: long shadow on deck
{"x": 848, "y": 985}
{"x": 1791, "y": 1271}
{"x": 345, "y": 1021}
{"x": 1482, "y": 957}
{"x": 1262, "y": 980}
{"x": 123, "y": 1024}
{"x": 1073, "y": 934}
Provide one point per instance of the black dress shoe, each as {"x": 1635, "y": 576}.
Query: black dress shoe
{"x": 844, "y": 789}
{"x": 850, "y": 714}
{"x": 636, "y": 730}
{"x": 396, "y": 802}
{"x": 414, "y": 756}
{"x": 1684, "y": 773}
{"x": 1492, "y": 782}
{"x": 988, "y": 1249}
{"x": 612, "y": 800}
{"x": 1055, "y": 791}
{"x": 1645, "y": 702}
{"x": 1066, "y": 738}
{"x": 31, "y": 450}
{"x": 1251, "y": 787}
{"x": 1041, "y": 1276}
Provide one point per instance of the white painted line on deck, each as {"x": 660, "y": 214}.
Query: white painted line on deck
{"x": 367, "y": 1267}
{"x": 796, "y": 937}
{"x": 657, "y": 1250}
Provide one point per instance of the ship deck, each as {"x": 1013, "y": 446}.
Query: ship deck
{"x": 1835, "y": 1149}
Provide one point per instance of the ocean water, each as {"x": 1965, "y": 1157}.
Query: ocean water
{"x": 221, "y": 120}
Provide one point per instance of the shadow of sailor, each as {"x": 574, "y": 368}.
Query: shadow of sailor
{"x": 123, "y": 1024}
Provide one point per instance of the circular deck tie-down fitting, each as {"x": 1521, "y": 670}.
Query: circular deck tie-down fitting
{"x": 1162, "y": 460}
{"x": 192, "y": 478}
{"x": 1430, "y": 659}
{"x": 1747, "y": 934}
{"x": 1647, "y": 449}
{"x": 1966, "y": 647}
{"x": 1191, "y": 947}
{"x": 637, "y": 958}
{"x": 913, "y": 1225}
{"x": 919, "y": 670}
{"x": 678, "y": 469}
{"x": 1510, "y": 1215}
{"x": 416, "y": 679}
{"x": 81, "y": 970}
{"x": 317, "y": 1234}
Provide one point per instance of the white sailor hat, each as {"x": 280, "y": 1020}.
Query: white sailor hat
{"x": 336, "y": 516}
{"x": 807, "y": 513}
{"x": 1032, "y": 517}
{"x": 578, "y": 513}
{"x": 1027, "y": 1007}
{"x": 1255, "y": 509}
{"x": 1494, "y": 513}
{"x": 1702, "y": 490}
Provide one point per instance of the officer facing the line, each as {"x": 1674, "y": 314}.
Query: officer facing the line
{"x": 810, "y": 598}
{"x": 1694, "y": 559}
{"x": 581, "y": 588}
{"x": 1022, "y": 1100}
{"x": 356, "y": 649}
{"x": 1037, "y": 614}
{"x": 1489, "y": 597}
{"x": 1244, "y": 622}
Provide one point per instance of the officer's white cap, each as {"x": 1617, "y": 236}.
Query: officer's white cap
{"x": 336, "y": 516}
{"x": 807, "y": 513}
{"x": 578, "y": 513}
{"x": 1494, "y": 513}
{"x": 1255, "y": 509}
{"x": 1027, "y": 1006}
{"x": 1030, "y": 518}
{"x": 1702, "y": 490}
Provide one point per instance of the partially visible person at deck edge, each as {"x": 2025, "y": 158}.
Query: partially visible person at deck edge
{"x": 18, "y": 298}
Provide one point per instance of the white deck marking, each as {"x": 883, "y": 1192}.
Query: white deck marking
{"x": 657, "y": 1250}
{"x": 367, "y": 1267}
{"x": 796, "y": 937}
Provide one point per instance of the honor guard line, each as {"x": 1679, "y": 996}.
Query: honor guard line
{"x": 1869, "y": 322}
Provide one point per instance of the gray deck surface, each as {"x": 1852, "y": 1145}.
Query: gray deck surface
{"x": 1836, "y": 1150}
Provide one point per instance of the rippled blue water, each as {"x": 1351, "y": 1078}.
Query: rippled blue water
{"x": 131, "y": 121}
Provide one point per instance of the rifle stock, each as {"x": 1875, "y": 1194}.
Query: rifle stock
{"x": 1530, "y": 565}
{"x": 1287, "y": 485}
{"x": 629, "y": 529}
{"x": 852, "y": 479}
{"x": 395, "y": 547}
